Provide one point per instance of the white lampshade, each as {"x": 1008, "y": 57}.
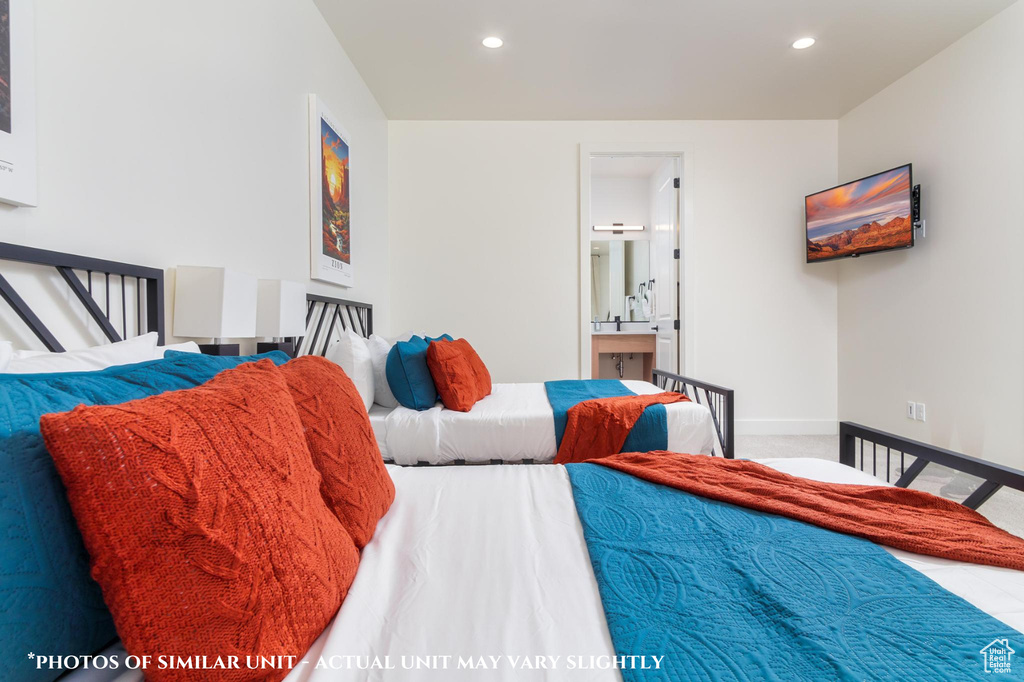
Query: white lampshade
{"x": 281, "y": 310}
{"x": 214, "y": 303}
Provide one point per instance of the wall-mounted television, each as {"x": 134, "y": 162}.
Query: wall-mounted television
{"x": 864, "y": 216}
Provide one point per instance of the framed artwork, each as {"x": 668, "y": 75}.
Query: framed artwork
{"x": 329, "y": 197}
{"x": 17, "y": 103}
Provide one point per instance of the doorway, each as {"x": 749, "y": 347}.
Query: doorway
{"x": 633, "y": 210}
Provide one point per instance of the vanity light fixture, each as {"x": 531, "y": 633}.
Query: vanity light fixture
{"x": 493, "y": 42}
{"x": 803, "y": 43}
{"x": 618, "y": 228}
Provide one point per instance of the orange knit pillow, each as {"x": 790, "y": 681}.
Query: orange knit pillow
{"x": 483, "y": 377}
{"x": 356, "y": 485}
{"x": 203, "y": 519}
{"x": 459, "y": 374}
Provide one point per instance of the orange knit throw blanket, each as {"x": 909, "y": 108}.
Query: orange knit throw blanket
{"x": 911, "y": 520}
{"x": 595, "y": 428}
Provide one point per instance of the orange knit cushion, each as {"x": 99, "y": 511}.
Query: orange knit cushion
{"x": 203, "y": 519}
{"x": 456, "y": 374}
{"x": 356, "y": 485}
{"x": 483, "y": 377}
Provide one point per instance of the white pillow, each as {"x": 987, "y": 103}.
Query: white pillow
{"x": 6, "y": 354}
{"x": 138, "y": 349}
{"x": 186, "y": 347}
{"x": 379, "y": 349}
{"x": 353, "y": 356}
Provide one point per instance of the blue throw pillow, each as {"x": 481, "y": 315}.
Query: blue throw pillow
{"x": 408, "y": 375}
{"x": 48, "y": 602}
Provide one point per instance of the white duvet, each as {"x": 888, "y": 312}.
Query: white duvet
{"x": 491, "y": 561}
{"x": 513, "y": 424}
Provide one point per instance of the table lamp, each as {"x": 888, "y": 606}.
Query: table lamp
{"x": 214, "y": 303}
{"x": 280, "y": 313}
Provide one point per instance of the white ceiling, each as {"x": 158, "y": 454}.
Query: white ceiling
{"x": 640, "y": 59}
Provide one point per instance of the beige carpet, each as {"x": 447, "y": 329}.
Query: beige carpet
{"x": 1005, "y": 509}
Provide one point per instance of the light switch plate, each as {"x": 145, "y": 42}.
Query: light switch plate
{"x": 911, "y": 409}
{"x": 919, "y": 412}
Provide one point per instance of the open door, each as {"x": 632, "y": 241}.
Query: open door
{"x": 666, "y": 266}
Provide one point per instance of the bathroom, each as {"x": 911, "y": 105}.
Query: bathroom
{"x": 633, "y": 202}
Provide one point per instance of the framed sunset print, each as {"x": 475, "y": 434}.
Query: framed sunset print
{"x": 17, "y": 104}
{"x": 329, "y": 197}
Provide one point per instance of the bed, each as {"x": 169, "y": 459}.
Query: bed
{"x": 480, "y": 561}
{"x": 515, "y": 424}
{"x": 529, "y": 591}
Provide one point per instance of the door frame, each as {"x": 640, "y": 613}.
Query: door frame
{"x": 687, "y": 276}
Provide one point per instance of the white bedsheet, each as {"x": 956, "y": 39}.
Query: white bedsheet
{"x": 513, "y": 424}
{"x": 491, "y": 560}
{"x": 379, "y": 422}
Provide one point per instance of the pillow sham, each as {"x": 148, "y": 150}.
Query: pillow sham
{"x": 379, "y": 348}
{"x": 185, "y": 347}
{"x": 356, "y": 485}
{"x": 48, "y": 602}
{"x": 137, "y": 349}
{"x": 202, "y": 515}
{"x": 6, "y": 354}
{"x": 352, "y": 355}
{"x": 408, "y": 374}
{"x": 456, "y": 370}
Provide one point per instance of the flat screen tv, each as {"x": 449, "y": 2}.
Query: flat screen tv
{"x": 864, "y": 216}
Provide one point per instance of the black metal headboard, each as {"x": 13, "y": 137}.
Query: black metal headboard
{"x": 90, "y": 280}
{"x": 325, "y": 316}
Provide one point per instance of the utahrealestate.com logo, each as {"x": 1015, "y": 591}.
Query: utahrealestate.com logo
{"x": 997, "y": 656}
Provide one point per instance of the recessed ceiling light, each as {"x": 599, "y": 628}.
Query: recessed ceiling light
{"x": 493, "y": 42}
{"x": 803, "y": 43}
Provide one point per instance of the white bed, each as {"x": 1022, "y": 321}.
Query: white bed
{"x": 491, "y": 560}
{"x": 513, "y": 424}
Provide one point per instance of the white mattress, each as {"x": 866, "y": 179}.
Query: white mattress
{"x": 491, "y": 560}
{"x": 513, "y": 424}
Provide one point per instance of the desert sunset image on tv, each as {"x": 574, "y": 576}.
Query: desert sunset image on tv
{"x": 336, "y": 236}
{"x": 872, "y": 214}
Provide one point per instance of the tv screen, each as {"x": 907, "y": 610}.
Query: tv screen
{"x": 864, "y": 216}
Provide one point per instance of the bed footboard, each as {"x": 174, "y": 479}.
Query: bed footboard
{"x": 860, "y": 447}
{"x": 718, "y": 399}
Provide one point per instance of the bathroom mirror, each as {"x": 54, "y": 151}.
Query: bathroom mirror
{"x": 620, "y": 276}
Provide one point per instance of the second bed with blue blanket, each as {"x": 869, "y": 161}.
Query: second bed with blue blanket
{"x": 518, "y": 422}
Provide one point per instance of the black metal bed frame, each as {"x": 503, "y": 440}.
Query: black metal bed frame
{"x": 720, "y": 401}
{"x": 853, "y": 437}
{"x": 334, "y": 312}
{"x": 149, "y": 292}
{"x": 90, "y": 280}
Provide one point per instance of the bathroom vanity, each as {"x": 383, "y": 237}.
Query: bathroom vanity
{"x": 638, "y": 344}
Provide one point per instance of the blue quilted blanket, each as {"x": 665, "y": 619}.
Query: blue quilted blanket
{"x": 727, "y": 593}
{"x": 649, "y": 433}
{"x": 48, "y": 602}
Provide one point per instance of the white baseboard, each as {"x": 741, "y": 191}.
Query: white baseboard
{"x": 787, "y": 427}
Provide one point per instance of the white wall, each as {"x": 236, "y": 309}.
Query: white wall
{"x": 943, "y": 323}
{"x": 176, "y": 132}
{"x": 485, "y": 229}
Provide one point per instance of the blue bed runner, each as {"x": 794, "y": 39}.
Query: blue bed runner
{"x": 649, "y": 433}
{"x": 729, "y": 593}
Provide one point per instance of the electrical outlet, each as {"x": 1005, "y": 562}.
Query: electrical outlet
{"x": 911, "y": 409}
{"x": 919, "y": 412}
